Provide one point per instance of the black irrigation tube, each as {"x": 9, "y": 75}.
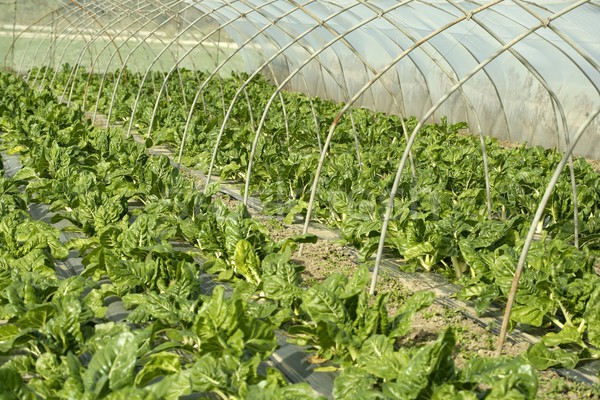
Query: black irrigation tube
{"x": 413, "y": 281}
{"x": 290, "y": 359}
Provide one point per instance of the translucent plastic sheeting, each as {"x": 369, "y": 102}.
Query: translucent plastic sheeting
{"x": 101, "y": 35}
{"x": 354, "y": 41}
{"x": 508, "y": 96}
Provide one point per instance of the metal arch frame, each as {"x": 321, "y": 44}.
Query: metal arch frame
{"x": 75, "y": 31}
{"x": 243, "y": 87}
{"x": 260, "y": 68}
{"x": 123, "y": 67}
{"x": 149, "y": 68}
{"x": 324, "y": 23}
{"x": 142, "y": 16}
{"x": 103, "y": 30}
{"x": 593, "y": 63}
{"x": 290, "y": 76}
{"x": 532, "y": 228}
{"x": 114, "y": 94}
{"x": 200, "y": 43}
{"x": 474, "y": 58}
{"x": 453, "y": 78}
{"x": 533, "y": 70}
{"x": 64, "y": 6}
{"x": 559, "y": 33}
{"x": 281, "y": 99}
{"x": 401, "y": 111}
{"x": 211, "y": 75}
{"x": 322, "y": 67}
{"x": 365, "y": 88}
{"x": 199, "y": 92}
{"x": 89, "y": 21}
{"x": 423, "y": 75}
{"x": 540, "y": 79}
{"x": 556, "y": 104}
{"x": 379, "y": 11}
{"x": 118, "y": 18}
{"x": 368, "y": 67}
{"x": 102, "y": 80}
{"x": 69, "y": 28}
{"x": 308, "y": 91}
{"x": 17, "y": 37}
{"x": 424, "y": 118}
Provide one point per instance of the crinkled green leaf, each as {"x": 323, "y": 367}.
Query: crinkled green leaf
{"x": 246, "y": 262}
{"x": 530, "y": 315}
{"x": 567, "y": 335}
{"x": 504, "y": 375}
{"x": 543, "y": 358}
{"x": 322, "y": 305}
{"x": 37, "y": 316}
{"x": 8, "y": 332}
{"x": 112, "y": 366}
{"x": 592, "y": 316}
{"x": 429, "y": 365}
{"x": 159, "y": 364}
{"x": 355, "y": 383}
{"x": 12, "y": 386}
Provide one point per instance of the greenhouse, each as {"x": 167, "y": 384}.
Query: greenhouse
{"x": 277, "y": 199}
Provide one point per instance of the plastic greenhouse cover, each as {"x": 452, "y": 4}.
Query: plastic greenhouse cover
{"x": 511, "y": 97}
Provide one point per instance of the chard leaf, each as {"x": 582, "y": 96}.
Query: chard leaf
{"x": 355, "y": 383}
{"x": 7, "y": 336}
{"x": 428, "y": 366}
{"x": 217, "y": 316}
{"x": 377, "y": 356}
{"x": 526, "y": 314}
{"x": 357, "y": 282}
{"x": 160, "y": 364}
{"x": 25, "y": 174}
{"x": 171, "y": 387}
{"x": 298, "y": 391}
{"x": 419, "y": 250}
{"x": 259, "y": 336}
{"x": 224, "y": 374}
{"x": 592, "y": 316}
{"x": 246, "y": 262}
{"x": 507, "y": 377}
{"x": 37, "y": 316}
{"x": 567, "y": 335}
{"x": 95, "y": 300}
{"x": 543, "y": 358}
{"x": 12, "y": 386}
{"x": 449, "y": 392}
{"x": 322, "y": 305}
{"x": 298, "y": 208}
{"x": 111, "y": 367}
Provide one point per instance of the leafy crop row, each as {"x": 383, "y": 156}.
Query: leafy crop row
{"x": 440, "y": 220}
{"x": 179, "y": 338}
